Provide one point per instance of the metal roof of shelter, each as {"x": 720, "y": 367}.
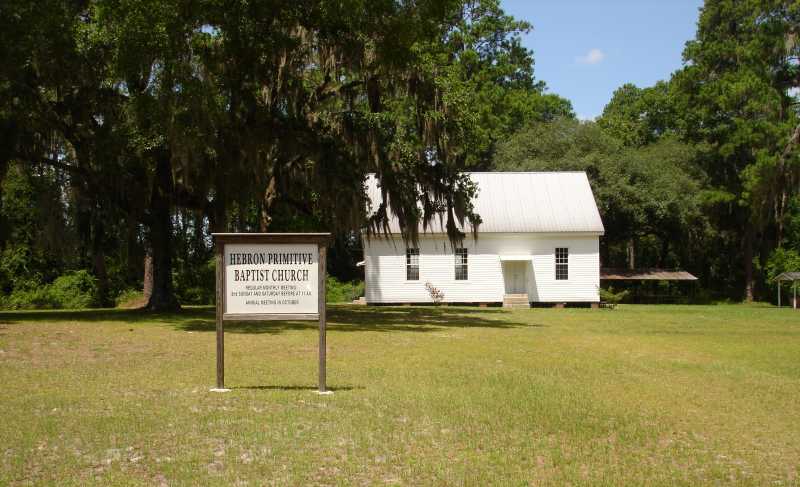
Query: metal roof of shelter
{"x": 788, "y": 276}
{"x": 523, "y": 202}
{"x": 650, "y": 274}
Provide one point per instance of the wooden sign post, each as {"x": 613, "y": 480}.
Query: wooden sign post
{"x": 270, "y": 276}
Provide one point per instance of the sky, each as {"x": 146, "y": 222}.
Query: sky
{"x": 585, "y": 49}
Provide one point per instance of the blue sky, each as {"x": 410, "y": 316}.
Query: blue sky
{"x": 586, "y": 49}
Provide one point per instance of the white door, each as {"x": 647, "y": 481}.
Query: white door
{"x": 514, "y": 274}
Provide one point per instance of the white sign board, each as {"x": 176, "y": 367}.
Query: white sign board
{"x": 271, "y": 279}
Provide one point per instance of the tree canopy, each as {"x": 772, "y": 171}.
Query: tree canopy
{"x": 131, "y": 130}
{"x": 160, "y": 121}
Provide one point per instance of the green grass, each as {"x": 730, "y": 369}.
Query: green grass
{"x": 641, "y": 395}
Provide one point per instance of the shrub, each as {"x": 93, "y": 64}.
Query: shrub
{"x": 74, "y": 290}
{"x": 130, "y": 298}
{"x": 38, "y": 297}
{"x": 437, "y": 295}
{"x": 196, "y": 284}
{"x": 342, "y": 292}
{"x": 609, "y": 296}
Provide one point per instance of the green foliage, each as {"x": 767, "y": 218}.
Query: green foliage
{"x": 38, "y": 297}
{"x": 736, "y": 100}
{"x": 561, "y": 145}
{"x": 342, "y": 292}
{"x": 609, "y": 296}
{"x": 35, "y": 236}
{"x": 128, "y": 297}
{"x": 781, "y": 260}
{"x": 134, "y": 127}
{"x": 73, "y": 290}
{"x": 195, "y": 282}
{"x": 649, "y": 193}
{"x": 640, "y": 116}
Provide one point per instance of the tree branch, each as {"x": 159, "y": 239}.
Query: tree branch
{"x": 793, "y": 141}
{"x": 69, "y": 168}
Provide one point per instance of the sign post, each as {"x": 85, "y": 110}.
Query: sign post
{"x": 270, "y": 276}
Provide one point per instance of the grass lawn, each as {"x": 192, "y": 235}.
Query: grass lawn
{"x": 670, "y": 395}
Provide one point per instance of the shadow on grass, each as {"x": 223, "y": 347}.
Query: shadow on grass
{"x": 363, "y": 318}
{"x": 340, "y": 318}
{"x": 106, "y": 314}
{"x": 293, "y": 388}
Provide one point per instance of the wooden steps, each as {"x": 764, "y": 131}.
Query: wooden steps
{"x": 516, "y": 301}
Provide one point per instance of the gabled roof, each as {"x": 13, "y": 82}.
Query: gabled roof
{"x": 524, "y": 202}
{"x": 788, "y": 276}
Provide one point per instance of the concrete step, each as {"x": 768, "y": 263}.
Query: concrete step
{"x": 516, "y": 301}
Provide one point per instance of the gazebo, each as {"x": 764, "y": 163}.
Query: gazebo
{"x": 792, "y": 277}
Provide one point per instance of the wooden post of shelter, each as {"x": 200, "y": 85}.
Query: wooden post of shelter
{"x": 270, "y": 276}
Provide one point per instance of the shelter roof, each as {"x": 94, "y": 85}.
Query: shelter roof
{"x": 788, "y": 276}
{"x": 648, "y": 274}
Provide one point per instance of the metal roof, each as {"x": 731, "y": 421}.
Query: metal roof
{"x": 524, "y": 202}
{"x": 608, "y": 274}
{"x": 788, "y": 276}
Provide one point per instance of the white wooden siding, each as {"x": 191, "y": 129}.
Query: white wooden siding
{"x": 385, "y": 268}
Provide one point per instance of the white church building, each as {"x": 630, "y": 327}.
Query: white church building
{"x": 538, "y": 243}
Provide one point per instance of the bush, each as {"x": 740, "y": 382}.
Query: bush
{"x": 437, "y": 295}
{"x": 73, "y": 290}
{"x": 130, "y": 298}
{"x": 31, "y": 298}
{"x": 196, "y": 284}
{"x": 609, "y": 296}
{"x": 342, "y": 292}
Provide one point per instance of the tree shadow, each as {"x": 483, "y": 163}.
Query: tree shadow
{"x": 106, "y": 314}
{"x": 294, "y": 388}
{"x": 380, "y": 319}
{"x": 347, "y": 318}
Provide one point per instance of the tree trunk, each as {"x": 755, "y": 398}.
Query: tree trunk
{"x": 99, "y": 258}
{"x": 749, "y": 281}
{"x": 219, "y": 211}
{"x": 3, "y": 229}
{"x": 162, "y": 297}
{"x": 662, "y": 259}
{"x": 135, "y": 254}
{"x": 198, "y": 240}
{"x": 266, "y": 205}
{"x": 631, "y": 254}
{"x": 147, "y": 288}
